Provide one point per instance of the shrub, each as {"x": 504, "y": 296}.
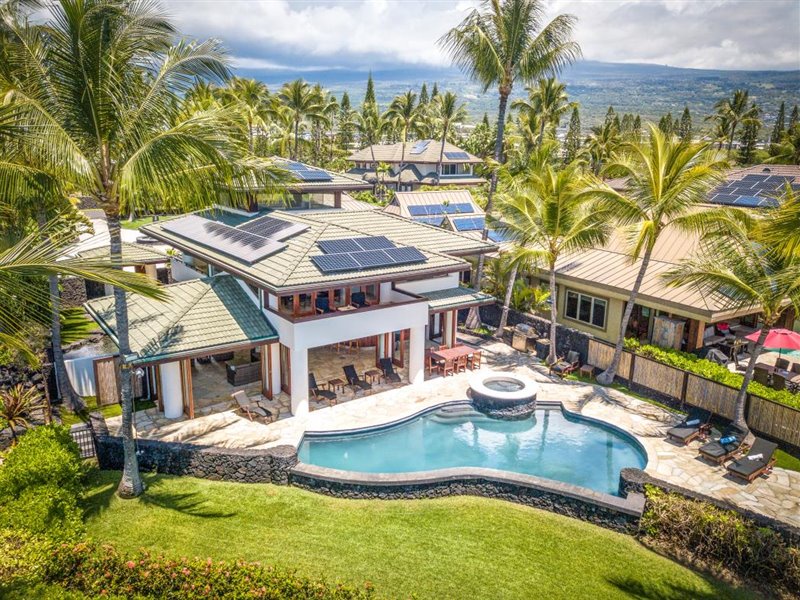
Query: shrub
{"x": 709, "y": 370}
{"x": 40, "y": 483}
{"x": 100, "y": 571}
{"x": 721, "y": 538}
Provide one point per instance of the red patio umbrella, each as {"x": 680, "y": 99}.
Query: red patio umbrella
{"x": 783, "y": 339}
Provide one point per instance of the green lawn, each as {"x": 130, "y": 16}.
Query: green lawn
{"x": 136, "y": 223}
{"x": 69, "y": 418}
{"x": 787, "y": 461}
{"x": 443, "y": 548}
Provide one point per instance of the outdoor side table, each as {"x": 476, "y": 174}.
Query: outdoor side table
{"x": 336, "y": 384}
{"x": 587, "y": 371}
{"x": 372, "y": 375}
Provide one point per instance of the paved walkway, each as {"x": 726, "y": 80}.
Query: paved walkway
{"x": 777, "y": 495}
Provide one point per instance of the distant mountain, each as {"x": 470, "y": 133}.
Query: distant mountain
{"x": 647, "y": 89}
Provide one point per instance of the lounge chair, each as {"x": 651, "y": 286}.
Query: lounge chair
{"x": 328, "y": 395}
{"x": 359, "y": 299}
{"x": 693, "y": 425}
{"x": 354, "y": 380}
{"x": 388, "y": 370}
{"x": 322, "y": 305}
{"x": 254, "y": 408}
{"x": 725, "y": 447}
{"x": 563, "y": 367}
{"x": 758, "y": 460}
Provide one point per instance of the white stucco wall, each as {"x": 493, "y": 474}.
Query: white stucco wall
{"x": 430, "y": 285}
{"x": 181, "y": 272}
{"x": 171, "y": 389}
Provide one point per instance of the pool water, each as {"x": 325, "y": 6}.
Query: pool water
{"x": 503, "y": 385}
{"x": 548, "y": 444}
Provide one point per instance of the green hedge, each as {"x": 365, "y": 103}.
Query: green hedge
{"x": 99, "y": 571}
{"x": 722, "y": 539}
{"x": 709, "y": 370}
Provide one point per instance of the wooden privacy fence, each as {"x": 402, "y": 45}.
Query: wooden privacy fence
{"x": 768, "y": 417}
{"x": 106, "y": 379}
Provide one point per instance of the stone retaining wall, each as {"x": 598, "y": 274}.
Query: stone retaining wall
{"x": 618, "y": 514}
{"x": 224, "y": 464}
{"x": 635, "y": 480}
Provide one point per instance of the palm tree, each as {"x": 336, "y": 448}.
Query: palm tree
{"x": 667, "y": 178}
{"x": 371, "y": 126}
{"x": 446, "y": 112}
{"x": 545, "y": 105}
{"x": 746, "y": 268}
{"x": 106, "y": 119}
{"x": 552, "y": 213}
{"x": 787, "y": 151}
{"x": 403, "y": 112}
{"x": 304, "y": 103}
{"x": 782, "y": 230}
{"x": 732, "y": 112}
{"x": 250, "y": 98}
{"x": 499, "y": 44}
{"x": 601, "y": 145}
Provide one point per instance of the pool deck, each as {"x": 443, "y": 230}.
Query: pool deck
{"x": 777, "y": 495}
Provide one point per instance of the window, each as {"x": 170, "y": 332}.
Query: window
{"x": 450, "y": 169}
{"x": 286, "y": 305}
{"x": 586, "y": 309}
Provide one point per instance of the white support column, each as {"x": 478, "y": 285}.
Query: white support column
{"x": 447, "y": 329}
{"x": 416, "y": 355}
{"x": 386, "y": 292}
{"x": 151, "y": 271}
{"x": 274, "y": 350}
{"x": 171, "y": 389}
{"x": 299, "y": 365}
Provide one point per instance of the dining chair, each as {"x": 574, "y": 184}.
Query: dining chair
{"x": 461, "y": 364}
{"x": 447, "y": 367}
{"x": 474, "y": 360}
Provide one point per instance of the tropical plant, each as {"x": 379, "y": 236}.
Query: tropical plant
{"x": 106, "y": 119}
{"x": 787, "y": 151}
{"x": 601, "y": 145}
{"x": 403, "y": 113}
{"x": 782, "y": 230}
{"x": 16, "y": 407}
{"x": 732, "y": 112}
{"x": 446, "y": 112}
{"x": 371, "y": 126}
{"x": 250, "y": 98}
{"x": 666, "y": 180}
{"x": 743, "y": 267}
{"x": 548, "y": 214}
{"x": 749, "y": 139}
{"x": 572, "y": 143}
{"x": 499, "y": 44}
{"x": 304, "y": 104}
{"x": 547, "y": 102}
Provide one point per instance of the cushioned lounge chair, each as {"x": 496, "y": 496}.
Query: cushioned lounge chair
{"x": 388, "y": 370}
{"x": 564, "y": 366}
{"x": 354, "y": 380}
{"x": 328, "y": 395}
{"x": 254, "y": 409}
{"x": 692, "y": 426}
{"x": 322, "y": 305}
{"x": 759, "y": 459}
{"x": 718, "y": 451}
{"x": 359, "y": 299}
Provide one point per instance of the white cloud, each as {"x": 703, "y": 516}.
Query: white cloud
{"x": 273, "y": 34}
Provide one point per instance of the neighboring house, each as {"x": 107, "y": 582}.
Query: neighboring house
{"x": 289, "y": 285}
{"x": 417, "y": 166}
{"x": 594, "y": 285}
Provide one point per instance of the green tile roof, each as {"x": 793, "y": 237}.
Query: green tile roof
{"x": 292, "y": 268}
{"x": 454, "y": 298}
{"x": 132, "y": 254}
{"x": 201, "y": 314}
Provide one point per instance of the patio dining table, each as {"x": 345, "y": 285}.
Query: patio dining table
{"x": 452, "y": 353}
{"x": 790, "y": 376}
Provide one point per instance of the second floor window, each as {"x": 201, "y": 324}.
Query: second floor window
{"x": 586, "y": 309}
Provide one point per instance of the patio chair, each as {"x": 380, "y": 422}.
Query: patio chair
{"x": 354, "y": 381}
{"x": 725, "y": 447}
{"x": 252, "y": 408}
{"x": 782, "y": 363}
{"x": 474, "y": 360}
{"x": 388, "y": 370}
{"x": 328, "y": 395}
{"x": 761, "y": 375}
{"x": 359, "y": 299}
{"x": 563, "y": 367}
{"x": 433, "y": 364}
{"x": 778, "y": 382}
{"x": 447, "y": 367}
{"x": 461, "y": 364}
{"x": 322, "y": 305}
{"x": 692, "y": 426}
{"x": 758, "y": 460}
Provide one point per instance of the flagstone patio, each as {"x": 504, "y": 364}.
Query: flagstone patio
{"x": 777, "y": 495}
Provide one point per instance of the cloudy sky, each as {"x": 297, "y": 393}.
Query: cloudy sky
{"x": 380, "y": 34}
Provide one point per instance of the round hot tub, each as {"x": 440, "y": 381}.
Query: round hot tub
{"x": 503, "y": 395}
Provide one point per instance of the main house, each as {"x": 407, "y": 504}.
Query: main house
{"x": 414, "y": 164}
{"x": 283, "y": 287}
{"x": 594, "y": 285}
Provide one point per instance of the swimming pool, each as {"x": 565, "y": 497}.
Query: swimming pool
{"x": 550, "y": 444}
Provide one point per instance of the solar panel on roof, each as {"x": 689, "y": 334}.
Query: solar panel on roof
{"x": 407, "y": 255}
{"x": 420, "y": 147}
{"x": 333, "y": 263}
{"x": 370, "y": 259}
{"x": 469, "y": 223}
{"x": 457, "y": 155}
{"x": 306, "y": 173}
{"x": 748, "y": 201}
{"x": 435, "y": 221}
{"x": 457, "y": 208}
{"x": 375, "y": 242}
{"x": 270, "y": 227}
{"x": 754, "y": 177}
{"x": 336, "y": 246}
{"x": 498, "y": 236}
{"x": 240, "y": 245}
{"x": 418, "y": 210}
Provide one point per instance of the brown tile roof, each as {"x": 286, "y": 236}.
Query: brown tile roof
{"x": 392, "y": 153}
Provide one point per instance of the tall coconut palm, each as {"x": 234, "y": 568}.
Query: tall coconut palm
{"x": 787, "y": 150}
{"x": 782, "y": 230}
{"x": 547, "y": 102}
{"x": 499, "y": 44}
{"x": 446, "y": 112}
{"x": 371, "y": 126}
{"x": 667, "y": 179}
{"x": 551, "y": 213}
{"x": 304, "y": 103}
{"x": 403, "y": 111}
{"x": 106, "y": 119}
{"x": 250, "y": 98}
{"x": 732, "y": 112}
{"x": 745, "y": 268}
{"x": 601, "y": 145}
